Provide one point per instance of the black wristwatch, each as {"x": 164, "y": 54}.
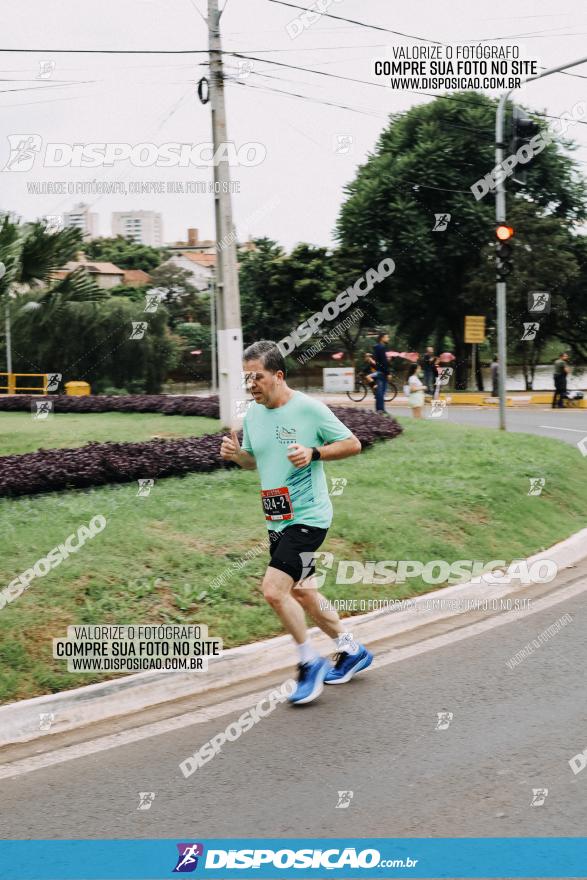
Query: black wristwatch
{"x": 315, "y": 454}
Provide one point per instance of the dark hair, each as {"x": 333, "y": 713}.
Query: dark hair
{"x": 381, "y": 335}
{"x": 412, "y": 370}
{"x": 268, "y": 353}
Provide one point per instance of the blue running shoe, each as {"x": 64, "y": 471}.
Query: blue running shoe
{"x": 310, "y": 680}
{"x": 346, "y": 665}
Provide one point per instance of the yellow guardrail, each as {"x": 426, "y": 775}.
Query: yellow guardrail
{"x": 9, "y": 383}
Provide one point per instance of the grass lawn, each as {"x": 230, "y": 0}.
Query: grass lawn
{"x": 19, "y": 432}
{"x": 439, "y": 491}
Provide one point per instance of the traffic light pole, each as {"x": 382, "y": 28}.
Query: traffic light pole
{"x": 500, "y": 217}
{"x": 230, "y": 337}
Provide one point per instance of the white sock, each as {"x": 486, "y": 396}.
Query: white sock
{"x": 345, "y": 642}
{"x": 307, "y": 652}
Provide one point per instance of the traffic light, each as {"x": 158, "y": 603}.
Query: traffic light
{"x": 503, "y": 251}
{"x": 524, "y": 128}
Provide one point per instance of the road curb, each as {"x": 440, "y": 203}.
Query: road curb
{"x": 73, "y": 709}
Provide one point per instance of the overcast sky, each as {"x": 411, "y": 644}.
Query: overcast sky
{"x": 295, "y": 193}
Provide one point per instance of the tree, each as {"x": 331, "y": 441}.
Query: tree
{"x": 424, "y": 165}
{"x": 125, "y": 253}
{"x": 183, "y": 300}
{"x": 31, "y": 255}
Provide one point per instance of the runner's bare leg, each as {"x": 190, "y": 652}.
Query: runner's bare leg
{"x": 318, "y": 607}
{"x": 277, "y": 589}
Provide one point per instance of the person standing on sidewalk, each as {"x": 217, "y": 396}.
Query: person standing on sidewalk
{"x": 494, "y": 370}
{"x": 561, "y": 370}
{"x": 415, "y": 391}
{"x": 382, "y": 368}
{"x": 287, "y": 435}
{"x": 429, "y": 367}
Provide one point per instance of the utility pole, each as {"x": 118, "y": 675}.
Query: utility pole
{"x": 500, "y": 217}
{"x": 230, "y": 336}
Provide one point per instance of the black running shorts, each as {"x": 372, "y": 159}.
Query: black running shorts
{"x": 292, "y": 549}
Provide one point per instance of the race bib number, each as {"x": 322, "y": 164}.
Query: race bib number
{"x": 277, "y": 503}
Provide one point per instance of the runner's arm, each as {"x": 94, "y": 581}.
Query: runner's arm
{"x": 340, "y": 449}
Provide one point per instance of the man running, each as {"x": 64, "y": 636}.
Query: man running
{"x": 287, "y": 435}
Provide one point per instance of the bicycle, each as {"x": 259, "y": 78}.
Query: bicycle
{"x": 362, "y": 388}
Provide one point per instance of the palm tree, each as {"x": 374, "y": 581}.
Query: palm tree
{"x": 31, "y": 254}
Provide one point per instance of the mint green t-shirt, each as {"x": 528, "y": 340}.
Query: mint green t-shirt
{"x": 267, "y": 433}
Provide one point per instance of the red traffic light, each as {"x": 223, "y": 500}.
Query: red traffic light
{"x": 504, "y": 233}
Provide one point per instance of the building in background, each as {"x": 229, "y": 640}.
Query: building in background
{"x": 145, "y": 227}
{"x": 105, "y": 275}
{"x": 200, "y": 266}
{"x": 80, "y": 217}
{"x": 193, "y": 245}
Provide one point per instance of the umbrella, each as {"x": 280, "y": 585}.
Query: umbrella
{"x": 446, "y": 357}
{"x": 410, "y": 356}
{"x": 338, "y": 355}
{"x": 392, "y": 354}
{"x": 197, "y": 351}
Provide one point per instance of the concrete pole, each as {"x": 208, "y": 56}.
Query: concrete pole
{"x": 230, "y": 339}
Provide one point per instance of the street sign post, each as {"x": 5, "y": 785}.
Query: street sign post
{"x": 474, "y": 333}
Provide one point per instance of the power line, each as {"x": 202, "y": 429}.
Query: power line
{"x": 360, "y": 23}
{"x": 305, "y": 98}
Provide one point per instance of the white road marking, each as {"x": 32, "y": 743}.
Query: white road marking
{"x": 558, "y": 428}
{"x": 200, "y": 716}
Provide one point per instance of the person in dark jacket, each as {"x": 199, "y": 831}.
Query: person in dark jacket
{"x": 382, "y": 368}
{"x": 561, "y": 370}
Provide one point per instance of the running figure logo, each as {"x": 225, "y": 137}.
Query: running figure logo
{"x": 338, "y": 484}
{"x": 145, "y": 487}
{"x": 444, "y": 719}
{"x": 23, "y": 151}
{"x": 530, "y": 330}
{"x": 43, "y": 409}
{"x": 539, "y": 301}
{"x": 344, "y": 800}
{"x": 539, "y": 795}
{"x": 187, "y": 860}
{"x": 441, "y": 222}
{"x": 536, "y": 485}
{"x": 146, "y": 799}
{"x": 53, "y": 380}
{"x": 138, "y": 329}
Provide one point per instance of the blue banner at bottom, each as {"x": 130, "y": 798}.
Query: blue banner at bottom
{"x": 504, "y": 857}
